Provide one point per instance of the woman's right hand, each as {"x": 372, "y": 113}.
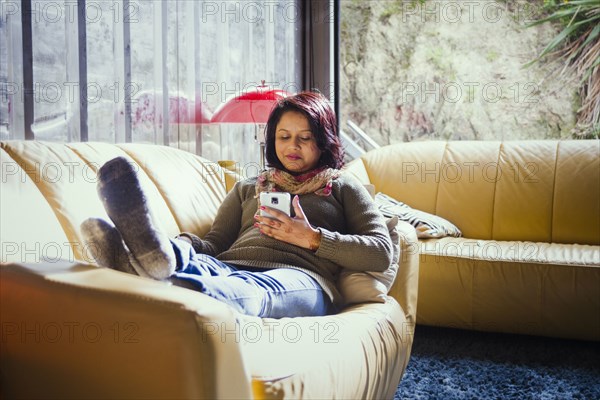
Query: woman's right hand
{"x": 294, "y": 230}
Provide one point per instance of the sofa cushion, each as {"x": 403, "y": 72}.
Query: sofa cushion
{"x": 427, "y": 225}
{"x": 514, "y": 190}
{"x": 533, "y": 288}
{"x": 191, "y": 187}
{"x": 369, "y": 286}
{"x": 23, "y": 206}
{"x": 66, "y": 182}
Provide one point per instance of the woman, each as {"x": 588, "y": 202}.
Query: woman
{"x": 269, "y": 267}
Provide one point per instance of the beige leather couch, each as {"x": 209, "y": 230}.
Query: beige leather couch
{"x": 71, "y": 330}
{"x": 529, "y": 211}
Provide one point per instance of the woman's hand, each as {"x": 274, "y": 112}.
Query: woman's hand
{"x": 296, "y": 230}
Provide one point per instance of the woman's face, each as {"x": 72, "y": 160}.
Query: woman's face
{"x": 295, "y": 144}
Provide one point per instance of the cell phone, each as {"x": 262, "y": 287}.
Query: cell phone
{"x": 278, "y": 200}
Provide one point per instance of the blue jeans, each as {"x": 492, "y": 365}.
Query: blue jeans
{"x": 274, "y": 293}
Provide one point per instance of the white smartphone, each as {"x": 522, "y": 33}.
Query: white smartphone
{"x": 277, "y": 200}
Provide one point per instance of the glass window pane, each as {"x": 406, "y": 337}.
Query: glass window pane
{"x": 104, "y": 88}
{"x": 11, "y": 88}
{"x": 415, "y": 70}
{"x": 4, "y": 79}
{"x": 146, "y": 87}
{"x": 198, "y": 53}
{"x": 245, "y": 43}
{"x": 51, "y": 90}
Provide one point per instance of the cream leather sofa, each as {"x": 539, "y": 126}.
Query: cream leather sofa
{"x": 71, "y": 330}
{"x": 529, "y": 211}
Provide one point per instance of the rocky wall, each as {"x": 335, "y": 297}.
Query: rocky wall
{"x": 452, "y": 70}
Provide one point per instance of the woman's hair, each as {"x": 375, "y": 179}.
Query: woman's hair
{"x": 323, "y": 125}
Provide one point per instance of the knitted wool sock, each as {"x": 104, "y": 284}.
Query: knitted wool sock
{"x": 126, "y": 205}
{"x": 107, "y": 247}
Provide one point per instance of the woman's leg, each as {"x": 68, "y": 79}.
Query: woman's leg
{"x": 107, "y": 248}
{"x": 127, "y": 206}
{"x": 291, "y": 293}
{"x": 275, "y": 293}
{"x": 272, "y": 293}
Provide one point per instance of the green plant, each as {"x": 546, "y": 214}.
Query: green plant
{"x": 578, "y": 45}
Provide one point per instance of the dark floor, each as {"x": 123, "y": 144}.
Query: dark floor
{"x": 458, "y": 364}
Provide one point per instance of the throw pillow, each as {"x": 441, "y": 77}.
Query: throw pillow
{"x": 427, "y": 225}
{"x": 368, "y": 286}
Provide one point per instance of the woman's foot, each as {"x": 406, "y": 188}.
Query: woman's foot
{"x": 107, "y": 247}
{"x": 126, "y": 205}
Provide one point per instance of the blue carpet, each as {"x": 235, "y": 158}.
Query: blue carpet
{"x": 457, "y": 364}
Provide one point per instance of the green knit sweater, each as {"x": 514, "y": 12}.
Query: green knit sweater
{"x": 353, "y": 234}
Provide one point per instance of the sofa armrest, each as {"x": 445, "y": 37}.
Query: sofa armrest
{"x": 406, "y": 285}
{"x": 141, "y": 338}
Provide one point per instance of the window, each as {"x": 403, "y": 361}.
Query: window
{"x": 148, "y": 71}
{"x": 450, "y": 70}
{"x": 4, "y": 86}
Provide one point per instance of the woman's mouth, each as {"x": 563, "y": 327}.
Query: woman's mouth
{"x": 293, "y": 157}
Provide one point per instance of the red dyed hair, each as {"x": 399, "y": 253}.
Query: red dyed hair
{"x": 323, "y": 125}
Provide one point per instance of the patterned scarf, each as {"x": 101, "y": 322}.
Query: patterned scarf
{"x": 317, "y": 181}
